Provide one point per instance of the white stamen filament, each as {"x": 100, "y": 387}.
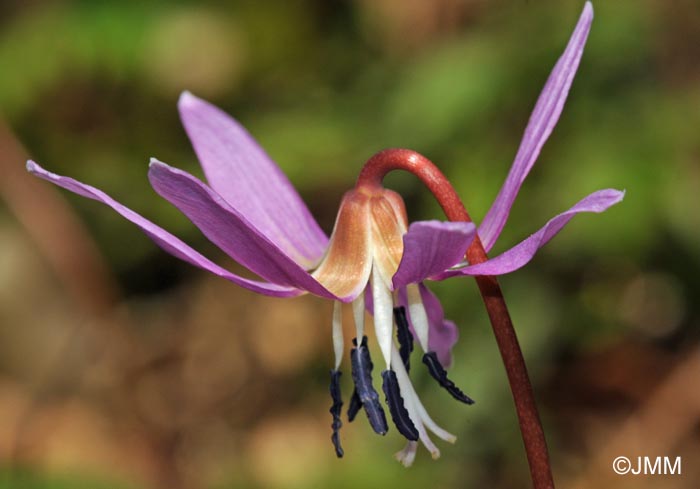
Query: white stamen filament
{"x": 383, "y": 314}
{"x": 409, "y": 401}
{"x": 419, "y": 318}
{"x": 337, "y": 332}
{"x": 417, "y": 411}
{"x": 358, "y": 311}
{"x": 432, "y": 426}
{"x": 462, "y": 264}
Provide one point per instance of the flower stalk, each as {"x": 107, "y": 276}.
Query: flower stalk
{"x": 531, "y": 429}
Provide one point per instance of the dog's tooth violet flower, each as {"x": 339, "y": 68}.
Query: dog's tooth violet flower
{"x": 373, "y": 259}
{"x": 252, "y": 212}
{"x": 366, "y": 251}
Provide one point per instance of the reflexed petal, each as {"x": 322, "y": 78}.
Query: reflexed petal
{"x": 542, "y": 121}
{"x": 388, "y": 227}
{"x": 162, "y": 238}
{"x": 346, "y": 267}
{"x": 522, "y": 253}
{"x": 399, "y": 206}
{"x": 239, "y": 170}
{"x": 228, "y": 229}
{"x": 443, "y": 334}
{"x": 431, "y": 247}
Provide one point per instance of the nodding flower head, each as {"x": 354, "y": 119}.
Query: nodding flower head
{"x": 373, "y": 260}
{"x": 363, "y": 259}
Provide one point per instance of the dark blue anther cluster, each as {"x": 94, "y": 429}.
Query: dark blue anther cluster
{"x": 365, "y": 396}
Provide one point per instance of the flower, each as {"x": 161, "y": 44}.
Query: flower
{"x": 251, "y": 211}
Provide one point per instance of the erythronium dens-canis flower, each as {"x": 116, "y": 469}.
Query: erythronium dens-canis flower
{"x": 251, "y": 211}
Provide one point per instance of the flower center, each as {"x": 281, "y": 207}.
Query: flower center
{"x": 363, "y": 256}
{"x": 368, "y": 232}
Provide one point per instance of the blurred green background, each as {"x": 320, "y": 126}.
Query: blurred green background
{"x": 121, "y": 367}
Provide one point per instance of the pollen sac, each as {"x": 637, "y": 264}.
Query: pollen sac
{"x": 438, "y": 372}
{"x": 335, "y": 411}
{"x": 362, "y": 376}
{"x": 355, "y": 403}
{"x": 354, "y": 406}
{"x": 403, "y": 334}
{"x": 398, "y": 411}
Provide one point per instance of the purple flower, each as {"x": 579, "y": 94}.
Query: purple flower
{"x": 250, "y": 210}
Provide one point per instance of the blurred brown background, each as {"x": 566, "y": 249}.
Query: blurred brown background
{"x": 121, "y": 367}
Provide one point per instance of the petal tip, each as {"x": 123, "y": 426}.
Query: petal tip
{"x": 186, "y": 97}
{"x": 612, "y": 196}
{"x": 32, "y": 166}
{"x": 154, "y": 164}
{"x": 156, "y": 169}
{"x": 621, "y": 193}
{"x": 588, "y": 9}
{"x": 35, "y": 169}
{"x": 187, "y": 100}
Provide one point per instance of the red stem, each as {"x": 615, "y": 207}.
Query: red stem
{"x": 530, "y": 425}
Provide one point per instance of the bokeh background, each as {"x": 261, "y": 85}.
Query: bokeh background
{"x": 121, "y": 367}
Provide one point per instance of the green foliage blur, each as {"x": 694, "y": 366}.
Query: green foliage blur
{"x": 90, "y": 88}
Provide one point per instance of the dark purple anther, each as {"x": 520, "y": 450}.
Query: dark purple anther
{"x": 335, "y": 411}
{"x": 355, "y": 402}
{"x": 399, "y": 415}
{"x": 362, "y": 376}
{"x": 354, "y": 406}
{"x": 403, "y": 334}
{"x": 438, "y": 372}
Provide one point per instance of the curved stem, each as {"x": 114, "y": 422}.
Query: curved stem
{"x": 528, "y": 417}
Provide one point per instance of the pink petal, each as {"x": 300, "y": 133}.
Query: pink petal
{"x": 229, "y": 230}
{"x": 162, "y": 238}
{"x": 522, "y": 253}
{"x": 443, "y": 333}
{"x": 389, "y": 224}
{"x": 346, "y": 268}
{"x": 542, "y": 121}
{"x": 431, "y": 247}
{"x": 239, "y": 170}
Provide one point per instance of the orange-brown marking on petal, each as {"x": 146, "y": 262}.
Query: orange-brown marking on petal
{"x": 346, "y": 266}
{"x": 399, "y": 207}
{"x": 389, "y": 224}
